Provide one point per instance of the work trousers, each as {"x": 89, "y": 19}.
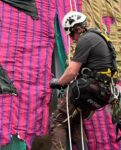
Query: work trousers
{"x": 59, "y": 126}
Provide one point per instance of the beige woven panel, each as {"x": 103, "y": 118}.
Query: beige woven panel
{"x": 96, "y": 10}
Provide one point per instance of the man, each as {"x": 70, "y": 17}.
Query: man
{"x": 91, "y": 56}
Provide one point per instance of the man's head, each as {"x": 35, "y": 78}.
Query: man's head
{"x": 74, "y": 23}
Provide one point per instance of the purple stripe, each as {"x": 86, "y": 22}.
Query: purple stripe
{"x": 45, "y": 66}
{"x": 22, "y": 70}
{"x": 8, "y": 39}
{"x": 5, "y": 66}
{"x": 7, "y": 55}
{"x": 60, "y": 21}
{"x": 90, "y": 136}
{"x": 30, "y": 79}
{"x": 2, "y": 21}
{"x": 107, "y": 129}
{"x": 119, "y": 145}
{"x": 64, "y": 8}
{"x": 99, "y": 127}
{"x": 16, "y": 42}
{"x": 93, "y": 126}
{"x": 39, "y": 62}
{"x": 56, "y": 6}
{"x": 78, "y": 6}
{"x": 1, "y": 123}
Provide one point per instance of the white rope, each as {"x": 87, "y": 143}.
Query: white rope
{"x": 67, "y": 94}
{"x": 75, "y": 5}
{"x": 69, "y": 128}
{"x": 71, "y": 5}
{"x": 82, "y": 135}
{"x": 67, "y": 105}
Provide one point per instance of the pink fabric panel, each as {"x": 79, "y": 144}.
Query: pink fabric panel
{"x": 26, "y": 48}
{"x": 100, "y": 131}
{"x": 108, "y": 21}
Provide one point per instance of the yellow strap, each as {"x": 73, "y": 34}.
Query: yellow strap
{"x": 106, "y": 37}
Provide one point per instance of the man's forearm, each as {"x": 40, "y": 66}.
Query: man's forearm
{"x": 67, "y": 77}
{"x": 70, "y": 73}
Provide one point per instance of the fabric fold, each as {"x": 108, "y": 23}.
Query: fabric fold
{"x": 28, "y": 6}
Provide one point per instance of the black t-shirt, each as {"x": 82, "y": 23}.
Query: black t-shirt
{"x": 92, "y": 51}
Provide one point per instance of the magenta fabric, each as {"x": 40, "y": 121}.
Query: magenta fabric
{"x": 108, "y": 21}
{"x": 101, "y": 132}
{"x": 26, "y": 47}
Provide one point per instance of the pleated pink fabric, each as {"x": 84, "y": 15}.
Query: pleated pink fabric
{"x": 26, "y": 48}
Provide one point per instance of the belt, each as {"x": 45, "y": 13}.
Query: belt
{"x": 103, "y": 75}
{"x": 86, "y": 71}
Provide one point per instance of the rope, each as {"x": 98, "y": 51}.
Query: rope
{"x": 75, "y": 5}
{"x": 82, "y": 136}
{"x": 71, "y": 5}
{"x": 67, "y": 93}
{"x": 67, "y": 106}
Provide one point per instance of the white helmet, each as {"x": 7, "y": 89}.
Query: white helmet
{"x": 72, "y": 18}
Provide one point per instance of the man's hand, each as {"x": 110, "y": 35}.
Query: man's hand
{"x": 54, "y": 84}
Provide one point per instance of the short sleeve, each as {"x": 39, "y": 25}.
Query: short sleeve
{"x": 82, "y": 50}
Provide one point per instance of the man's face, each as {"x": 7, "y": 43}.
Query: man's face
{"x": 75, "y": 36}
{"x": 76, "y": 33}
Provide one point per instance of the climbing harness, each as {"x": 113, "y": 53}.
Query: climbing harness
{"x": 97, "y": 91}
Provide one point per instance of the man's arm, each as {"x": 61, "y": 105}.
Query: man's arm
{"x": 70, "y": 73}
